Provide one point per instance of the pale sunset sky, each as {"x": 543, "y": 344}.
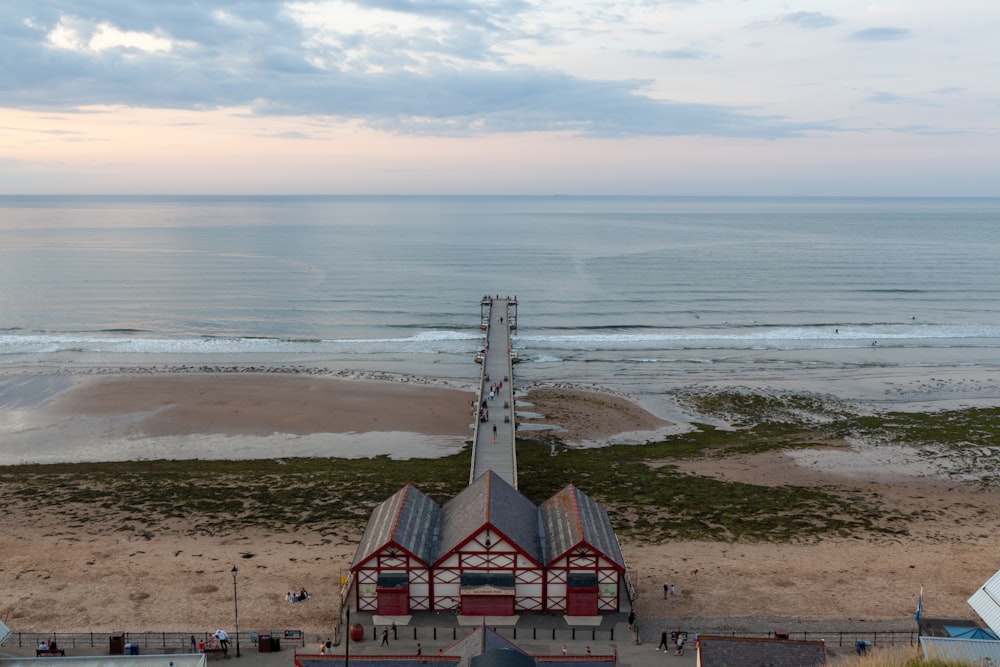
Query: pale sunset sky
{"x": 644, "y": 97}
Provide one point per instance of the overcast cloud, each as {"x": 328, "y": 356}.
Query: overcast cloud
{"x": 715, "y": 69}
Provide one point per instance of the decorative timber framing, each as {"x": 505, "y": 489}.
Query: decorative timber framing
{"x": 489, "y": 550}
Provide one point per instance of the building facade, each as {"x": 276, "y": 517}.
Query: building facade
{"x": 489, "y": 551}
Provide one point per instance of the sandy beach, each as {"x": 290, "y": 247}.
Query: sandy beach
{"x": 58, "y": 576}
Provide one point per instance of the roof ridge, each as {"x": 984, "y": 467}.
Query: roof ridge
{"x": 399, "y": 510}
{"x": 489, "y": 496}
{"x": 576, "y": 510}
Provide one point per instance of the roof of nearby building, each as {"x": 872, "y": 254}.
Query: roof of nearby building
{"x": 482, "y": 641}
{"x": 986, "y": 602}
{"x": 490, "y": 499}
{"x": 408, "y": 518}
{"x": 963, "y": 628}
{"x": 965, "y": 650}
{"x": 570, "y": 518}
{"x": 727, "y": 651}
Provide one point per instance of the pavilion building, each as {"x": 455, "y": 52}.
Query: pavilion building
{"x": 489, "y": 551}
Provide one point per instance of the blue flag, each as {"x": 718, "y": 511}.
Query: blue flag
{"x": 920, "y": 604}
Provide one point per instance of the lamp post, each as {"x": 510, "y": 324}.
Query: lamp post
{"x": 236, "y": 609}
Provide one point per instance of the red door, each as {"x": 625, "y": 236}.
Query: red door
{"x": 487, "y": 605}
{"x": 393, "y": 601}
{"x": 581, "y": 602}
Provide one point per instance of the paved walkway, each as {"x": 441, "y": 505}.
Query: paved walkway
{"x": 493, "y": 446}
{"x": 434, "y": 631}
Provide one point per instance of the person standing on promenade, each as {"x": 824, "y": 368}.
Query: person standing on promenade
{"x": 223, "y": 638}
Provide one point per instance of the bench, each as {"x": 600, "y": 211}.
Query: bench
{"x": 213, "y": 652}
{"x": 49, "y": 651}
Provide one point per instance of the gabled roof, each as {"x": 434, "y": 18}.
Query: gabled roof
{"x": 490, "y": 500}
{"x": 480, "y": 641}
{"x": 409, "y": 519}
{"x": 570, "y": 518}
{"x": 725, "y": 651}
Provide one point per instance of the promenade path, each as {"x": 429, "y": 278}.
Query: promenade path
{"x": 493, "y": 442}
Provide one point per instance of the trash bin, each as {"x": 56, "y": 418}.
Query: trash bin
{"x": 268, "y": 641}
{"x": 133, "y": 649}
{"x": 116, "y": 643}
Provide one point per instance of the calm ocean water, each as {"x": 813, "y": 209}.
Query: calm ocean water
{"x": 615, "y": 292}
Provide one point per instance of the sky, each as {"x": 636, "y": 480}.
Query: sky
{"x": 646, "y": 97}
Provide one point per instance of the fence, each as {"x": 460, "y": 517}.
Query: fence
{"x": 180, "y": 642}
{"x": 166, "y": 642}
{"x": 847, "y": 638}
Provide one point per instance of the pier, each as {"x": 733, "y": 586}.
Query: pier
{"x": 493, "y": 441}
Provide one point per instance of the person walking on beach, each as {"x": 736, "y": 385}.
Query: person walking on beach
{"x": 673, "y": 592}
{"x": 385, "y": 635}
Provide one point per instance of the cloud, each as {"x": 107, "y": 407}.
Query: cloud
{"x": 810, "y": 20}
{"x": 396, "y": 65}
{"x": 880, "y": 34}
{"x": 882, "y": 97}
{"x": 678, "y": 54}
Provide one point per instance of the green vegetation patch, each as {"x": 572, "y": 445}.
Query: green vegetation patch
{"x": 647, "y": 495}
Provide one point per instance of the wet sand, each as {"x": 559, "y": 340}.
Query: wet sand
{"x": 62, "y": 577}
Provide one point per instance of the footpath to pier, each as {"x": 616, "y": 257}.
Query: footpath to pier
{"x": 493, "y": 441}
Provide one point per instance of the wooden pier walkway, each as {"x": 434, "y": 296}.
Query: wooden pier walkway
{"x": 493, "y": 442}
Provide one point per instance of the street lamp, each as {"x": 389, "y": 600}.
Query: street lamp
{"x": 236, "y": 608}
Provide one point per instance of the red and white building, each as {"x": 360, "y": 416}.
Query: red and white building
{"x": 392, "y": 564}
{"x": 489, "y": 558}
{"x": 489, "y": 551}
{"x": 584, "y": 565}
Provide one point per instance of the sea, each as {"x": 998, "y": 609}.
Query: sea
{"x": 625, "y": 294}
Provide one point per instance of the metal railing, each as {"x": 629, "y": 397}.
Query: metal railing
{"x": 180, "y": 642}
{"x": 168, "y": 642}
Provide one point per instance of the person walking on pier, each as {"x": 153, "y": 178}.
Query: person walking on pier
{"x": 494, "y": 434}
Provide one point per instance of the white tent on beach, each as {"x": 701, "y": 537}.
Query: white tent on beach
{"x": 986, "y": 602}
